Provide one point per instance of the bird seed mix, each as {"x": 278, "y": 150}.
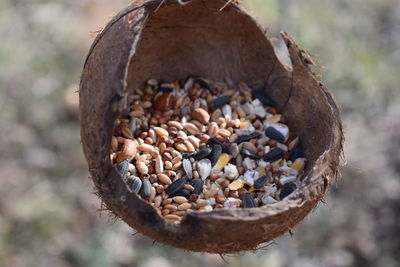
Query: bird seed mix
{"x": 200, "y": 145}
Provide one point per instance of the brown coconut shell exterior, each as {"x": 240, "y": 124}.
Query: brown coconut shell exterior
{"x": 168, "y": 41}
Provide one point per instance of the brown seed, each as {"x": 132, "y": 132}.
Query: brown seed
{"x": 201, "y": 115}
{"x": 161, "y": 132}
{"x": 175, "y": 124}
{"x": 180, "y": 199}
{"x": 166, "y": 201}
{"x": 148, "y": 141}
{"x": 179, "y": 213}
{"x": 188, "y": 187}
{"x": 164, "y": 212}
{"x": 164, "y": 101}
{"x": 220, "y": 199}
{"x": 136, "y": 113}
{"x": 233, "y": 193}
{"x": 224, "y": 132}
{"x": 172, "y": 217}
{"x": 181, "y": 147}
{"x": 164, "y": 178}
{"x": 160, "y": 189}
{"x": 114, "y": 143}
{"x": 184, "y": 206}
{"x": 152, "y": 194}
{"x": 189, "y": 146}
{"x": 216, "y": 114}
{"x": 171, "y": 207}
{"x": 191, "y": 128}
{"x": 177, "y": 166}
{"x": 142, "y": 167}
{"x": 168, "y": 165}
{"x": 167, "y": 156}
{"x": 176, "y": 159}
{"x": 151, "y": 169}
{"x": 213, "y": 129}
{"x": 145, "y": 148}
{"x": 193, "y": 197}
{"x": 194, "y": 140}
{"x": 202, "y": 203}
{"x": 213, "y": 176}
{"x": 128, "y": 150}
{"x": 157, "y": 201}
{"x": 127, "y": 133}
{"x": 204, "y": 138}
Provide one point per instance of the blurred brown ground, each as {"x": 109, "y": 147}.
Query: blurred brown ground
{"x": 48, "y": 216}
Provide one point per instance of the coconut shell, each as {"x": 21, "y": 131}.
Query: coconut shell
{"x": 168, "y": 41}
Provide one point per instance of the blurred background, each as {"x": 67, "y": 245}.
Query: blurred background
{"x": 48, "y": 215}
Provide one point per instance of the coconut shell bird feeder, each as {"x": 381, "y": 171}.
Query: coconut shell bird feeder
{"x": 215, "y": 39}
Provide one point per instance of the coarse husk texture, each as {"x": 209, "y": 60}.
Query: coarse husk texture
{"x": 168, "y": 41}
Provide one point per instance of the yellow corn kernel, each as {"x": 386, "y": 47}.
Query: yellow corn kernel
{"x": 236, "y": 185}
{"x": 275, "y": 118}
{"x": 222, "y": 161}
{"x": 299, "y": 164}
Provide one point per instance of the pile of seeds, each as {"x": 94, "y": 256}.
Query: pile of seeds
{"x": 201, "y": 145}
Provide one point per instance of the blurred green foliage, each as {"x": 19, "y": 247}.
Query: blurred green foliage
{"x": 48, "y": 217}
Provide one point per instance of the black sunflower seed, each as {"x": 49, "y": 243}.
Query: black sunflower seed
{"x": 202, "y": 154}
{"x": 245, "y": 138}
{"x": 287, "y": 189}
{"x": 145, "y": 190}
{"x": 260, "y": 95}
{"x": 260, "y": 182}
{"x": 197, "y": 185}
{"x": 273, "y": 155}
{"x": 166, "y": 87}
{"x": 215, "y": 153}
{"x": 203, "y": 84}
{"x": 214, "y": 141}
{"x": 181, "y": 193}
{"x": 176, "y": 186}
{"x": 248, "y": 201}
{"x": 123, "y": 168}
{"x": 188, "y": 155}
{"x": 134, "y": 183}
{"x": 295, "y": 153}
{"x": 274, "y": 134}
{"x": 220, "y": 101}
{"x": 250, "y": 154}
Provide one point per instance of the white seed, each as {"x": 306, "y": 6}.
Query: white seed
{"x": 187, "y": 166}
{"x": 159, "y": 164}
{"x": 204, "y": 168}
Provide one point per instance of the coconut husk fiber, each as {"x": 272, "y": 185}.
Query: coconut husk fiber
{"x": 167, "y": 40}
